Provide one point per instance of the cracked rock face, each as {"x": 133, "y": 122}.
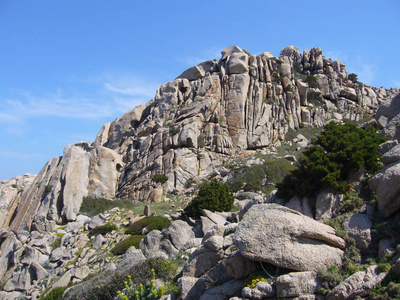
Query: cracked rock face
{"x": 285, "y": 238}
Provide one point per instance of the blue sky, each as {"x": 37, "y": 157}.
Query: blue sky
{"x": 69, "y": 66}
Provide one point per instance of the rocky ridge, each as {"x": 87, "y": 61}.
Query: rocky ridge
{"x": 212, "y": 113}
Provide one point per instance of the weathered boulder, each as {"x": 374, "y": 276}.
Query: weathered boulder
{"x": 286, "y": 238}
{"x": 297, "y": 284}
{"x": 358, "y": 227}
{"x": 386, "y": 185}
{"x": 180, "y": 234}
{"x": 358, "y": 284}
{"x": 224, "y": 291}
{"x": 327, "y": 204}
{"x": 391, "y": 156}
{"x": 191, "y": 288}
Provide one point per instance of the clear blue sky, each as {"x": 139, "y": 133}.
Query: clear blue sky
{"x": 69, "y": 66}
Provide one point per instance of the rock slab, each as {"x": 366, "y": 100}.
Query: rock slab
{"x": 283, "y": 237}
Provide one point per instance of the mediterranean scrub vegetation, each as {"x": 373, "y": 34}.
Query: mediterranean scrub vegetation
{"x": 214, "y": 196}
{"x": 337, "y": 151}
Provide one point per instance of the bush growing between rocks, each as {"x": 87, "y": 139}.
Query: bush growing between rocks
{"x": 143, "y": 292}
{"x": 104, "y": 285}
{"x": 337, "y": 151}
{"x": 214, "y": 196}
{"x": 160, "y": 178}
{"x": 92, "y": 206}
{"x": 54, "y": 294}
{"x": 103, "y": 229}
{"x": 253, "y": 178}
{"x": 150, "y": 222}
{"x": 123, "y": 246}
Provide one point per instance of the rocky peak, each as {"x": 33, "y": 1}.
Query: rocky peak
{"x": 210, "y": 113}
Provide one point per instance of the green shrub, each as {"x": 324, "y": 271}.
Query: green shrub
{"x": 253, "y": 178}
{"x": 54, "y": 294}
{"x": 92, "y": 206}
{"x": 150, "y": 222}
{"x": 104, "y": 285}
{"x": 143, "y": 292}
{"x": 200, "y": 141}
{"x": 337, "y": 151}
{"x": 123, "y": 246}
{"x": 102, "y": 229}
{"x": 330, "y": 278}
{"x": 312, "y": 81}
{"x": 214, "y": 196}
{"x": 160, "y": 178}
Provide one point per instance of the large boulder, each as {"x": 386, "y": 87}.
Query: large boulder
{"x": 297, "y": 284}
{"x": 386, "y": 185}
{"x": 283, "y": 237}
{"x": 358, "y": 227}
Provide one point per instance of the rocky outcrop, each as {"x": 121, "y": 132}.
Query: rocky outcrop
{"x": 357, "y": 285}
{"x": 195, "y": 123}
{"x": 211, "y": 114}
{"x": 286, "y": 238}
{"x": 11, "y": 192}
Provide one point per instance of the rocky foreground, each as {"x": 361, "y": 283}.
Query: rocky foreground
{"x": 239, "y": 108}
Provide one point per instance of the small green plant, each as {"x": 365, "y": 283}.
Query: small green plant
{"x": 190, "y": 182}
{"x": 200, "y": 141}
{"x": 312, "y": 81}
{"x": 160, "y": 178}
{"x": 54, "y": 294}
{"x": 150, "y": 222}
{"x": 123, "y": 246}
{"x": 173, "y": 131}
{"x": 143, "y": 292}
{"x": 14, "y": 186}
{"x": 102, "y": 229}
{"x": 214, "y": 196}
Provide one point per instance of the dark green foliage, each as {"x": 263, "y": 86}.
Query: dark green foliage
{"x": 337, "y": 151}
{"x": 351, "y": 203}
{"x": 353, "y": 77}
{"x": 123, "y": 246}
{"x": 150, "y": 222}
{"x": 160, "y": 178}
{"x": 92, "y": 206}
{"x": 312, "y": 81}
{"x": 214, "y": 196}
{"x": 387, "y": 228}
{"x": 200, "y": 141}
{"x": 252, "y": 178}
{"x": 55, "y": 294}
{"x": 388, "y": 288}
{"x": 330, "y": 278}
{"x": 103, "y": 229}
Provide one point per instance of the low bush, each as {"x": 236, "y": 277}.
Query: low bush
{"x": 123, "y": 246}
{"x": 54, "y": 294}
{"x": 255, "y": 177}
{"x": 103, "y": 229}
{"x": 214, "y": 196}
{"x": 150, "y": 222}
{"x": 104, "y": 285}
{"x": 143, "y": 292}
{"x": 160, "y": 178}
{"x": 92, "y": 206}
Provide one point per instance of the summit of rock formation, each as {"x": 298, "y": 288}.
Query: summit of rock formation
{"x": 196, "y": 126}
